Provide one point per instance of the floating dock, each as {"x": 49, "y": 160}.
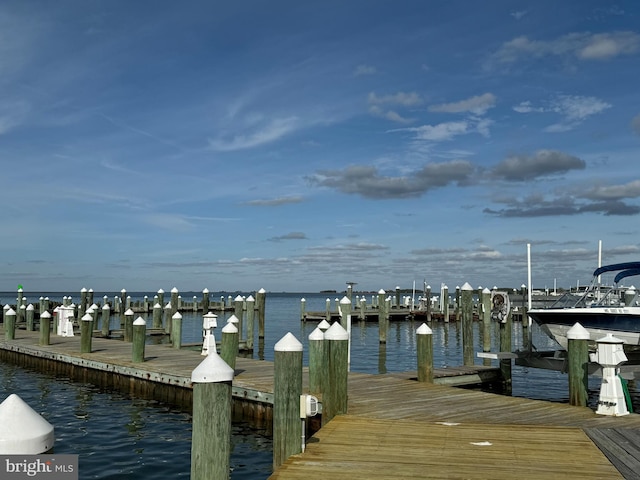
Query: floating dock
{"x": 396, "y": 427}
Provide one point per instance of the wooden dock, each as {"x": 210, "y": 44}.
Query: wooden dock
{"x": 396, "y": 427}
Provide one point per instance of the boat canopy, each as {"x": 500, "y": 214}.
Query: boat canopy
{"x": 616, "y": 267}
{"x": 626, "y": 273}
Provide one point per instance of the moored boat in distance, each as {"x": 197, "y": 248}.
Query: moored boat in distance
{"x": 599, "y": 309}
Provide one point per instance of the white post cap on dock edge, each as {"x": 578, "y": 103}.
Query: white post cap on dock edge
{"x": 577, "y": 332}
{"x": 288, "y": 343}
{"x": 140, "y": 321}
{"x": 336, "y": 332}
{"x": 24, "y": 431}
{"x": 212, "y": 369}
{"x": 424, "y": 330}
{"x": 317, "y": 334}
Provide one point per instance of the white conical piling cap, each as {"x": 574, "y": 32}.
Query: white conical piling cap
{"x": 212, "y": 369}
{"x": 262, "y": 290}
{"x": 11, "y": 311}
{"x": 336, "y": 332}
{"x": 6, "y": 307}
{"x": 157, "y": 305}
{"x": 106, "y": 307}
{"x": 250, "y": 298}
{"x": 30, "y": 308}
{"x": 317, "y": 334}
{"x": 466, "y": 286}
{"x": 424, "y": 330}
{"x": 87, "y": 318}
{"x": 139, "y": 321}
{"x": 83, "y": 290}
{"x": 205, "y": 290}
{"x": 345, "y": 301}
{"x": 129, "y": 312}
{"x": 174, "y": 290}
{"x": 230, "y": 328}
{"x": 124, "y": 290}
{"x": 168, "y": 305}
{"x": 577, "y": 332}
{"x": 324, "y": 325}
{"x": 45, "y": 314}
{"x": 288, "y": 343}
{"x": 176, "y": 316}
{"x": 381, "y": 292}
{"x": 233, "y": 319}
{"x": 161, "y": 291}
{"x": 303, "y": 299}
{"x": 94, "y": 306}
{"x": 238, "y": 298}
{"x": 485, "y": 290}
{"x": 24, "y": 432}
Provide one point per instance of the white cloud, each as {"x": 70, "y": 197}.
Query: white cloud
{"x": 478, "y": 105}
{"x": 364, "y": 70}
{"x": 441, "y": 132}
{"x": 272, "y": 131}
{"x": 584, "y": 46}
{"x": 574, "y": 109}
{"x": 406, "y": 99}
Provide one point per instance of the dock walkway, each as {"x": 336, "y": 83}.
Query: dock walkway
{"x": 396, "y": 427}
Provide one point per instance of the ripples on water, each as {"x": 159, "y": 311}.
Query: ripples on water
{"x": 119, "y": 437}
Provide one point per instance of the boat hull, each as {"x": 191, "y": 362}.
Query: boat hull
{"x": 621, "y": 322}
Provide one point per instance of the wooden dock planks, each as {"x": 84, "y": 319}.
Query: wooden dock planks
{"x": 363, "y": 448}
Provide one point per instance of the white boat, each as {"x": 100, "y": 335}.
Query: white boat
{"x": 599, "y": 309}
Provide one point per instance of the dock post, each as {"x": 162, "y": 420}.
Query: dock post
{"x": 317, "y": 364}
{"x": 205, "y": 300}
{"x": 10, "y": 324}
{"x": 157, "y": 315}
{"x": 128, "y": 325}
{"x": 167, "y": 315}
{"x": 122, "y": 303}
{"x": 160, "y": 295}
{"x": 327, "y": 310}
{"x": 30, "y": 314}
{"x": 260, "y": 303}
{"x": 578, "y": 369}
{"x": 345, "y": 321}
{"x": 444, "y": 303}
{"x": 458, "y": 307}
{"x": 45, "y": 328}
{"x": 176, "y": 330}
{"x": 250, "y": 321}
{"x": 424, "y": 349}
{"x": 139, "y": 338}
{"x": 174, "y": 301}
{"x": 19, "y": 316}
{"x": 382, "y": 322}
{"x": 287, "y": 388}
{"x": 86, "y": 333}
{"x": 303, "y": 306}
{"x": 334, "y": 397}
{"x": 238, "y": 311}
{"x": 229, "y": 344}
{"x": 106, "y": 315}
{"x": 362, "y": 314}
{"x": 505, "y": 346}
{"x": 82, "y": 308}
{"x": 211, "y": 430}
{"x": 427, "y": 292}
{"x": 466, "y": 303}
{"x": 24, "y": 432}
{"x": 485, "y": 315}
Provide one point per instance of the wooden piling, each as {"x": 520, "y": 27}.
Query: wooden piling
{"x": 382, "y": 322}
{"x": 505, "y": 346}
{"x": 444, "y": 303}
{"x": 485, "y": 315}
{"x": 139, "y": 340}
{"x": 176, "y": 330}
{"x": 229, "y": 344}
{"x": 303, "y": 306}
{"x": 211, "y": 419}
{"x": 287, "y": 388}
{"x": 250, "y": 302}
{"x": 157, "y": 315}
{"x": 260, "y": 304}
{"x": 317, "y": 365}
{"x": 30, "y": 315}
{"x": 424, "y": 349}
{"x": 205, "y": 300}
{"x": 578, "y": 369}
{"x": 466, "y": 303}
{"x": 10, "y": 324}
{"x": 106, "y": 315}
{"x": 327, "y": 310}
{"x": 86, "y": 333}
{"x": 45, "y": 328}
{"x": 334, "y": 396}
{"x": 427, "y": 292}
{"x": 238, "y": 311}
{"x": 128, "y": 325}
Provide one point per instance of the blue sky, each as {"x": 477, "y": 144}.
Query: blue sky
{"x": 294, "y": 146}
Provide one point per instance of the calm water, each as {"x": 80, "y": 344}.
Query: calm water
{"x": 118, "y": 436}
